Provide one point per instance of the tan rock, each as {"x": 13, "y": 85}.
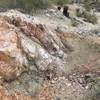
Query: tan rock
{"x": 11, "y": 57}
{"x": 8, "y": 67}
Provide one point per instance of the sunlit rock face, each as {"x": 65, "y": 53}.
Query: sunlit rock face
{"x": 33, "y": 29}
{"x": 11, "y": 57}
{"x": 36, "y": 40}
{"x": 8, "y": 67}
{"x": 32, "y": 52}
{"x": 26, "y": 50}
{"x": 42, "y": 59}
{"x": 23, "y": 39}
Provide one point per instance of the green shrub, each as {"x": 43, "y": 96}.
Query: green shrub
{"x": 79, "y": 13}
{"x": 74, "y": 22}
{"x": 29, "y": 5}
{"x": 88, "y": 17}
{"x": 62, "y": 2}
{"x": 93, "y": 92}
{"x": 88, "y": 4}
{"x": 7, "y": 3}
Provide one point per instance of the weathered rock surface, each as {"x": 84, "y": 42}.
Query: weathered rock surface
{"x": 32, "y": 51}
{"x": 11, "y": 57}
{"x": 26, "y": 48}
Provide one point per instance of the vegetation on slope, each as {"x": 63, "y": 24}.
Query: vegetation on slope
{"x": 28, "y": 5}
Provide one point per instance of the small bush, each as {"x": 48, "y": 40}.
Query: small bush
{"x": 88, "y": 4}
{"x": 27, "y": 5}
{"x": 93, "y": 92}
{"x": 6, "y": 3}
{"x": 87, "y": 7}
{"x": 88, "y": 17}
{"x": 62, "y": 2}
{"x": 74, "y": 22}
{"x": 79, "y": 12}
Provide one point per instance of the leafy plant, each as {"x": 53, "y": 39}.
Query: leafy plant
{"x": 88, "y": 4}
{"x": 62, "y": 2}
{"x": 74, "y": 22}
{"x": 93, "y": 92}
{"x": 88, "y": 17}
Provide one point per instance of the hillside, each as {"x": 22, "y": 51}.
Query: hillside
{"x": 48, "y": 56}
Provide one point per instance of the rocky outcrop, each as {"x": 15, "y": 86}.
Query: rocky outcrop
{"x": 32, "y": 30}
{"x": 13, "y": 44}
{"x": 41, "y": 45}
{"x": 31, "y": 52}
{"x": 8, "y": 68}
{"x": 26, "y": 48}
{"x": 11, "y": 57}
